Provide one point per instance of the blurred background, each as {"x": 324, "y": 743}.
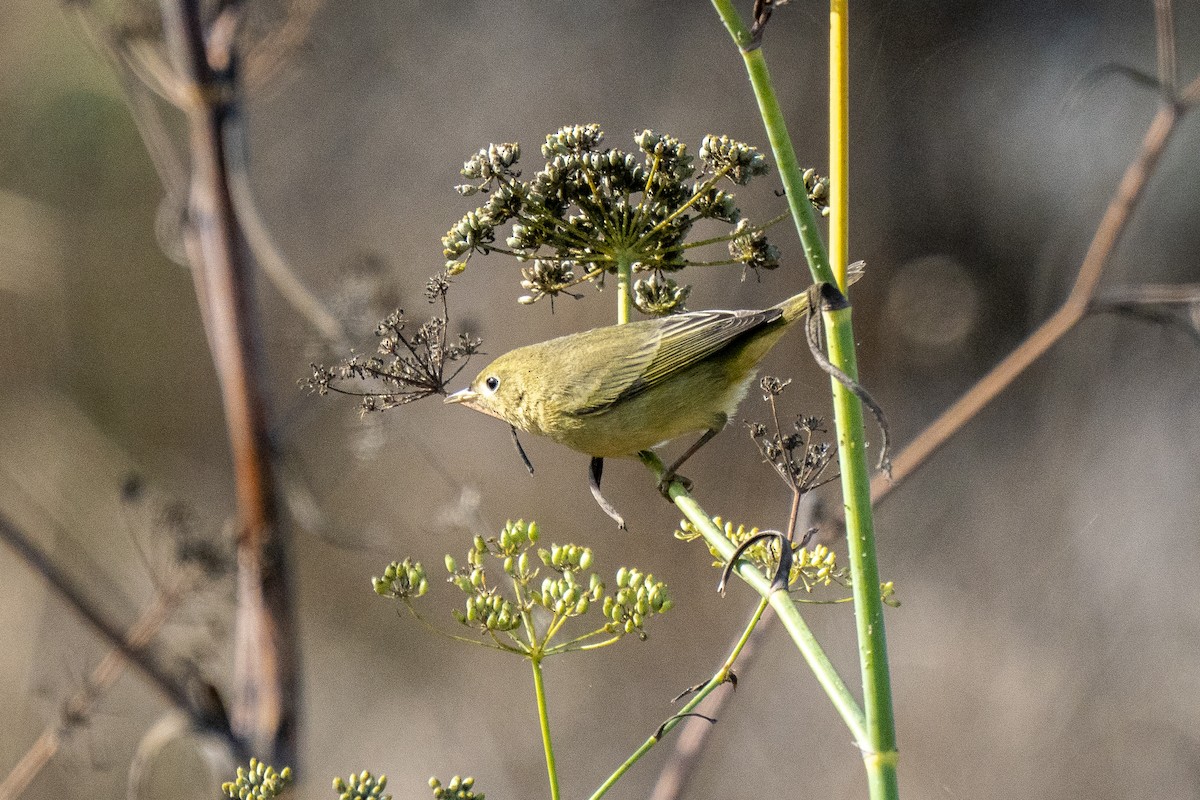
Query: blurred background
{"x": 1047, "y": 559}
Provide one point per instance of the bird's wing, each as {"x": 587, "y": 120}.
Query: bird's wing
{"x": 682, "y": 342}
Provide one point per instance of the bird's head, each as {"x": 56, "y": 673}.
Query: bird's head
{"x": 496, "y": 391}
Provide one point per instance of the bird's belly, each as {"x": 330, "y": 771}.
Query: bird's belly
{"x": 686, "y": 404}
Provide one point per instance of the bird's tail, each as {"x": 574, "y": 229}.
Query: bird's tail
{"x": 796, "y": 306}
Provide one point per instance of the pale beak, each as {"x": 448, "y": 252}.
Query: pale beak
{"x": 461, "y": 396}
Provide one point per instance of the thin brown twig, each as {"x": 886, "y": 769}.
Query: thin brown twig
{"x": 103, "y": 676}
{"x": 267, "y": 57}
{"x": 1104, "y": 241}
{"x": 129, "y": 647}
{"x": 1108, "y": 233}
{"x": 1164, "y": 32}
{"x": 265, "y": 696}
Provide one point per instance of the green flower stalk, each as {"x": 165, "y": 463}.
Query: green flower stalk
{"x": 521, "y": 598}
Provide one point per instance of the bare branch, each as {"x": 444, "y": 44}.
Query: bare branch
{"x": 266, "y": 693}
{"x": 130, "y": 646}
{"x": 1112, "y": 225}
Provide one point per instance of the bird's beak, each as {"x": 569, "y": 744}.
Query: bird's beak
{"x": 461, "y": 396}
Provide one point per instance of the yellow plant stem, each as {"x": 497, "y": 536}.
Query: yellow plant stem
{"x": 839, "y": 139}
{"x": 624, "y": 289}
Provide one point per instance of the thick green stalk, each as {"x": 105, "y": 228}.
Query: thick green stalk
{"x": 701, "y": 693}
{"x": 826, "y": 674}
{"x": 879, "y": 742}
{"x": 539, "y": 688}
{"x": 879, "y": 754}
{"x": 880, "y": 757}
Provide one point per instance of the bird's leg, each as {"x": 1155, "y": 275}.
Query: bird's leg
{"x": 521, "y": 450}
{"x": 595, "y": 471}
{"x": 664, "y": 483}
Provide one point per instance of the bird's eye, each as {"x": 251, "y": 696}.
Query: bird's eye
{"x": 492, "y": 383}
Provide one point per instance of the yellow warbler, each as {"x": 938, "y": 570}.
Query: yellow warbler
{"x": 621, "y": 389}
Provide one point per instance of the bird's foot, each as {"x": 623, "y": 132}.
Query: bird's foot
{"x": 664, "y": 483}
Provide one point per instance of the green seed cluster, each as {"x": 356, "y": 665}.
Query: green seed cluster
{"x": 570, "y": 557}
{"x": 457, "y": 789}
{"x": 258, "y": 782}
{"x": 362, "y": 786}
{"x": 810, "y": 567}
{"x": 566, "y": 597}
{"x": 402, "y": 580}
{"x": 555, "y": 581}
{"x": 490, "y": 612}
{"x": 591, "y": 208}
{"x": 639, "y": 596}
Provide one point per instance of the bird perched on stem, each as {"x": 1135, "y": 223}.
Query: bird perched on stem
{"x": 621, "y": 389}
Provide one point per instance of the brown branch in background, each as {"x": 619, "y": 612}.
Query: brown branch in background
{"x": 1171, "y": 305}
{"x": 1079, "y": 301}
{"x": 129, "y": 647}
{"x": 265, "y": 698}
{"x": 1077, "y": 304}
{"x": 1164, "y": 34}
{"x": 75, "y": 710}
{"x": 266, "y": 58}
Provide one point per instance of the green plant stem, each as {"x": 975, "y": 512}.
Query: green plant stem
{"x": 704, "y": 691}
{"x": 878, "y": 743}
{"x": 879, "y": 752}
{"x": 624, "y": 289}
{"x": 880, "y": 758}
{"x": 539, "y": 688}
{"x": 781, "y": 143}
{"x": 843, "y": 701}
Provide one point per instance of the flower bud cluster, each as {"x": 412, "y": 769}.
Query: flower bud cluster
{"x": 566, "y": 597}
{"x": 490, "y": 611}
{"x": 402, "y": 580}
{"x": 567, "y": 557}
{"x": 555, "y": 580}
{"x": 818, "y": 191}
{"x": 492, "y": 163}
{"x": 815, "y": 566}
{"x": 457, "y": 789}
{"x": 259, "y": 782}
{"x": 362, "y": 786}
{"x": 639, "y": 596}
{"x": 812, "y": 567}
{"x": 546, "y": 278}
